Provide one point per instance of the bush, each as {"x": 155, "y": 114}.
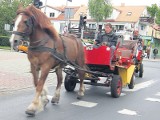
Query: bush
{"x": 4, "y": 41}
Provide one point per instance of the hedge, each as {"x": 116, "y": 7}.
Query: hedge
{"x": 4, "y": 41}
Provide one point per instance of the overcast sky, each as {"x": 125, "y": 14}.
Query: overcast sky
{"x": 114, "y": 2}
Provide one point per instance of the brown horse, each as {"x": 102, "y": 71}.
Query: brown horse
{"x": 45, "y": 46}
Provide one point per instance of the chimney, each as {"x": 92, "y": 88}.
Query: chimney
{"x": 82, "y": 5}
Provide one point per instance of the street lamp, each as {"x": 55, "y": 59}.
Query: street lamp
{"x": 37, "y": 3}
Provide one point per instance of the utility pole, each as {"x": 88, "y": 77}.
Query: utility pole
{"x": 45, "y": 6}
{"x": 67, "y": 14}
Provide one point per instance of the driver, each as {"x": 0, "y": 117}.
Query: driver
{"x": 108, "y": 38}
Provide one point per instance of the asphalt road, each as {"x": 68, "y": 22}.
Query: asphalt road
{"x": 141, "y": 103}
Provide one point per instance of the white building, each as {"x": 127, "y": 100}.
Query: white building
{"x": 122, "y": 18}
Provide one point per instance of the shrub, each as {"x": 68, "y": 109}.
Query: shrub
{"x": 4, "y": 41}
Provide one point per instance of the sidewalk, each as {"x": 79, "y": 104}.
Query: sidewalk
{"x": 152, "y": 59}
{"x": 14, "y": 72}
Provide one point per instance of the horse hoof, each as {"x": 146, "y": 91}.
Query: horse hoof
{"x": 79, "y": 97}
{"x": 55, "y": 101}
{"x": 30, "y": 112}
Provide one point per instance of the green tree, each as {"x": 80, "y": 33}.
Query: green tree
{"x": 100, "y": 10}
{"x": 157, "y": 20}
{"x": 8, "y": 10}
{"x": 152, "y": 10}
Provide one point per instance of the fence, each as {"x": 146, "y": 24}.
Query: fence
{"x": 4, "y": 41}
{"x": 87, "y": 34}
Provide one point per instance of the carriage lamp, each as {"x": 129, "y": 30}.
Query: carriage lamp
{"x": 108, "y": 49}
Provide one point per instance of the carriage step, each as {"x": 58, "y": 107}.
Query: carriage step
{"x": 96, "y": 84}
{"x": 89, "y": 78}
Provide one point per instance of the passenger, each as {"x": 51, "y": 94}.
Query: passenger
{"x": 135, "y": 35}
{"x": 140, "y": 44}
{"x": 65, "y": 30}
{"x": 155, "y": 52}
{"x": 148, "y": 51}
{"x": 108, "y": 38}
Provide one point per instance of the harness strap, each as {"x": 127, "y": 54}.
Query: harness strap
{"x": 19, "y": 33}
{"x": 60, "y": 57}
{"x": 64, "y": 53}
{"x": 54, "y": 53}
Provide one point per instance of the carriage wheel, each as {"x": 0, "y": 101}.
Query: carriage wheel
{"x": 136, "y": 69}
{"x": 69, "y": 83}
{"x": 141, "y": 70}
{"x": 116, "y": 86}
{"x": 94, "y": 81}
{"x": 132, "y": 82}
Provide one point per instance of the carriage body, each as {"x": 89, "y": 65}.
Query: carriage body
{"x": 136, "y": 46}
{"x": 139, "y": 61}
{"x": 102, "y": 71}
{"x": 97, "y": 56}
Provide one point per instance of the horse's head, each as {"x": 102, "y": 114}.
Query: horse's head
{"x": 23, "y": 28}
{"x": 31, "y": 22}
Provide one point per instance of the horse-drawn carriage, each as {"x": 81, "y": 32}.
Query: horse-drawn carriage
{"x": 137, "y": 47}
{"x": 48, "y": 50}
{"x": 118, "y": 71}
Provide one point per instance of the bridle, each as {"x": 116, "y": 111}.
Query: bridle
{"x": 30, "y": 27}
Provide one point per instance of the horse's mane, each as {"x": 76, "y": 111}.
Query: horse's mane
{"x": 41, "y": 19}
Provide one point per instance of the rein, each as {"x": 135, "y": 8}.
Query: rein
{"x": 23, "y": 34}
{"x": 58, "y": 56}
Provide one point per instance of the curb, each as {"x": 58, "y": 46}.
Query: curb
{"x": 152, "y": 60}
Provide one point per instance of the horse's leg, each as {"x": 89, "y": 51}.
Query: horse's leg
{"x": 82, "y": 88}
{"x": 44, "y": 98}
{"x": 56, "y": 96}
{"x": 35, "y": 72}
{"x": 36, "y": 103}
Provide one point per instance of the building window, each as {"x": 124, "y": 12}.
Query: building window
{"x": 142, "y": 27}
{"x": 121, "y": 27}
{"x": 69, "y": 13}
{"x": 52, "y": 14}
{"x": 129, "y": 13}
{"x": 93, "y": 26}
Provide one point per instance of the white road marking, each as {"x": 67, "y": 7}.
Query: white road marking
{"x": 49, "y": 97}
{"x": 140, "y": 86}
{"x": 87, "y": 87}
{"x": 157, "y": 94}
{"x": 85, "y": 104}
{"x": 2, "y": 74}
{"x": 122, "y": 94}
{"x": 127, "y": 112}
{"x": 153, "y": 99}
